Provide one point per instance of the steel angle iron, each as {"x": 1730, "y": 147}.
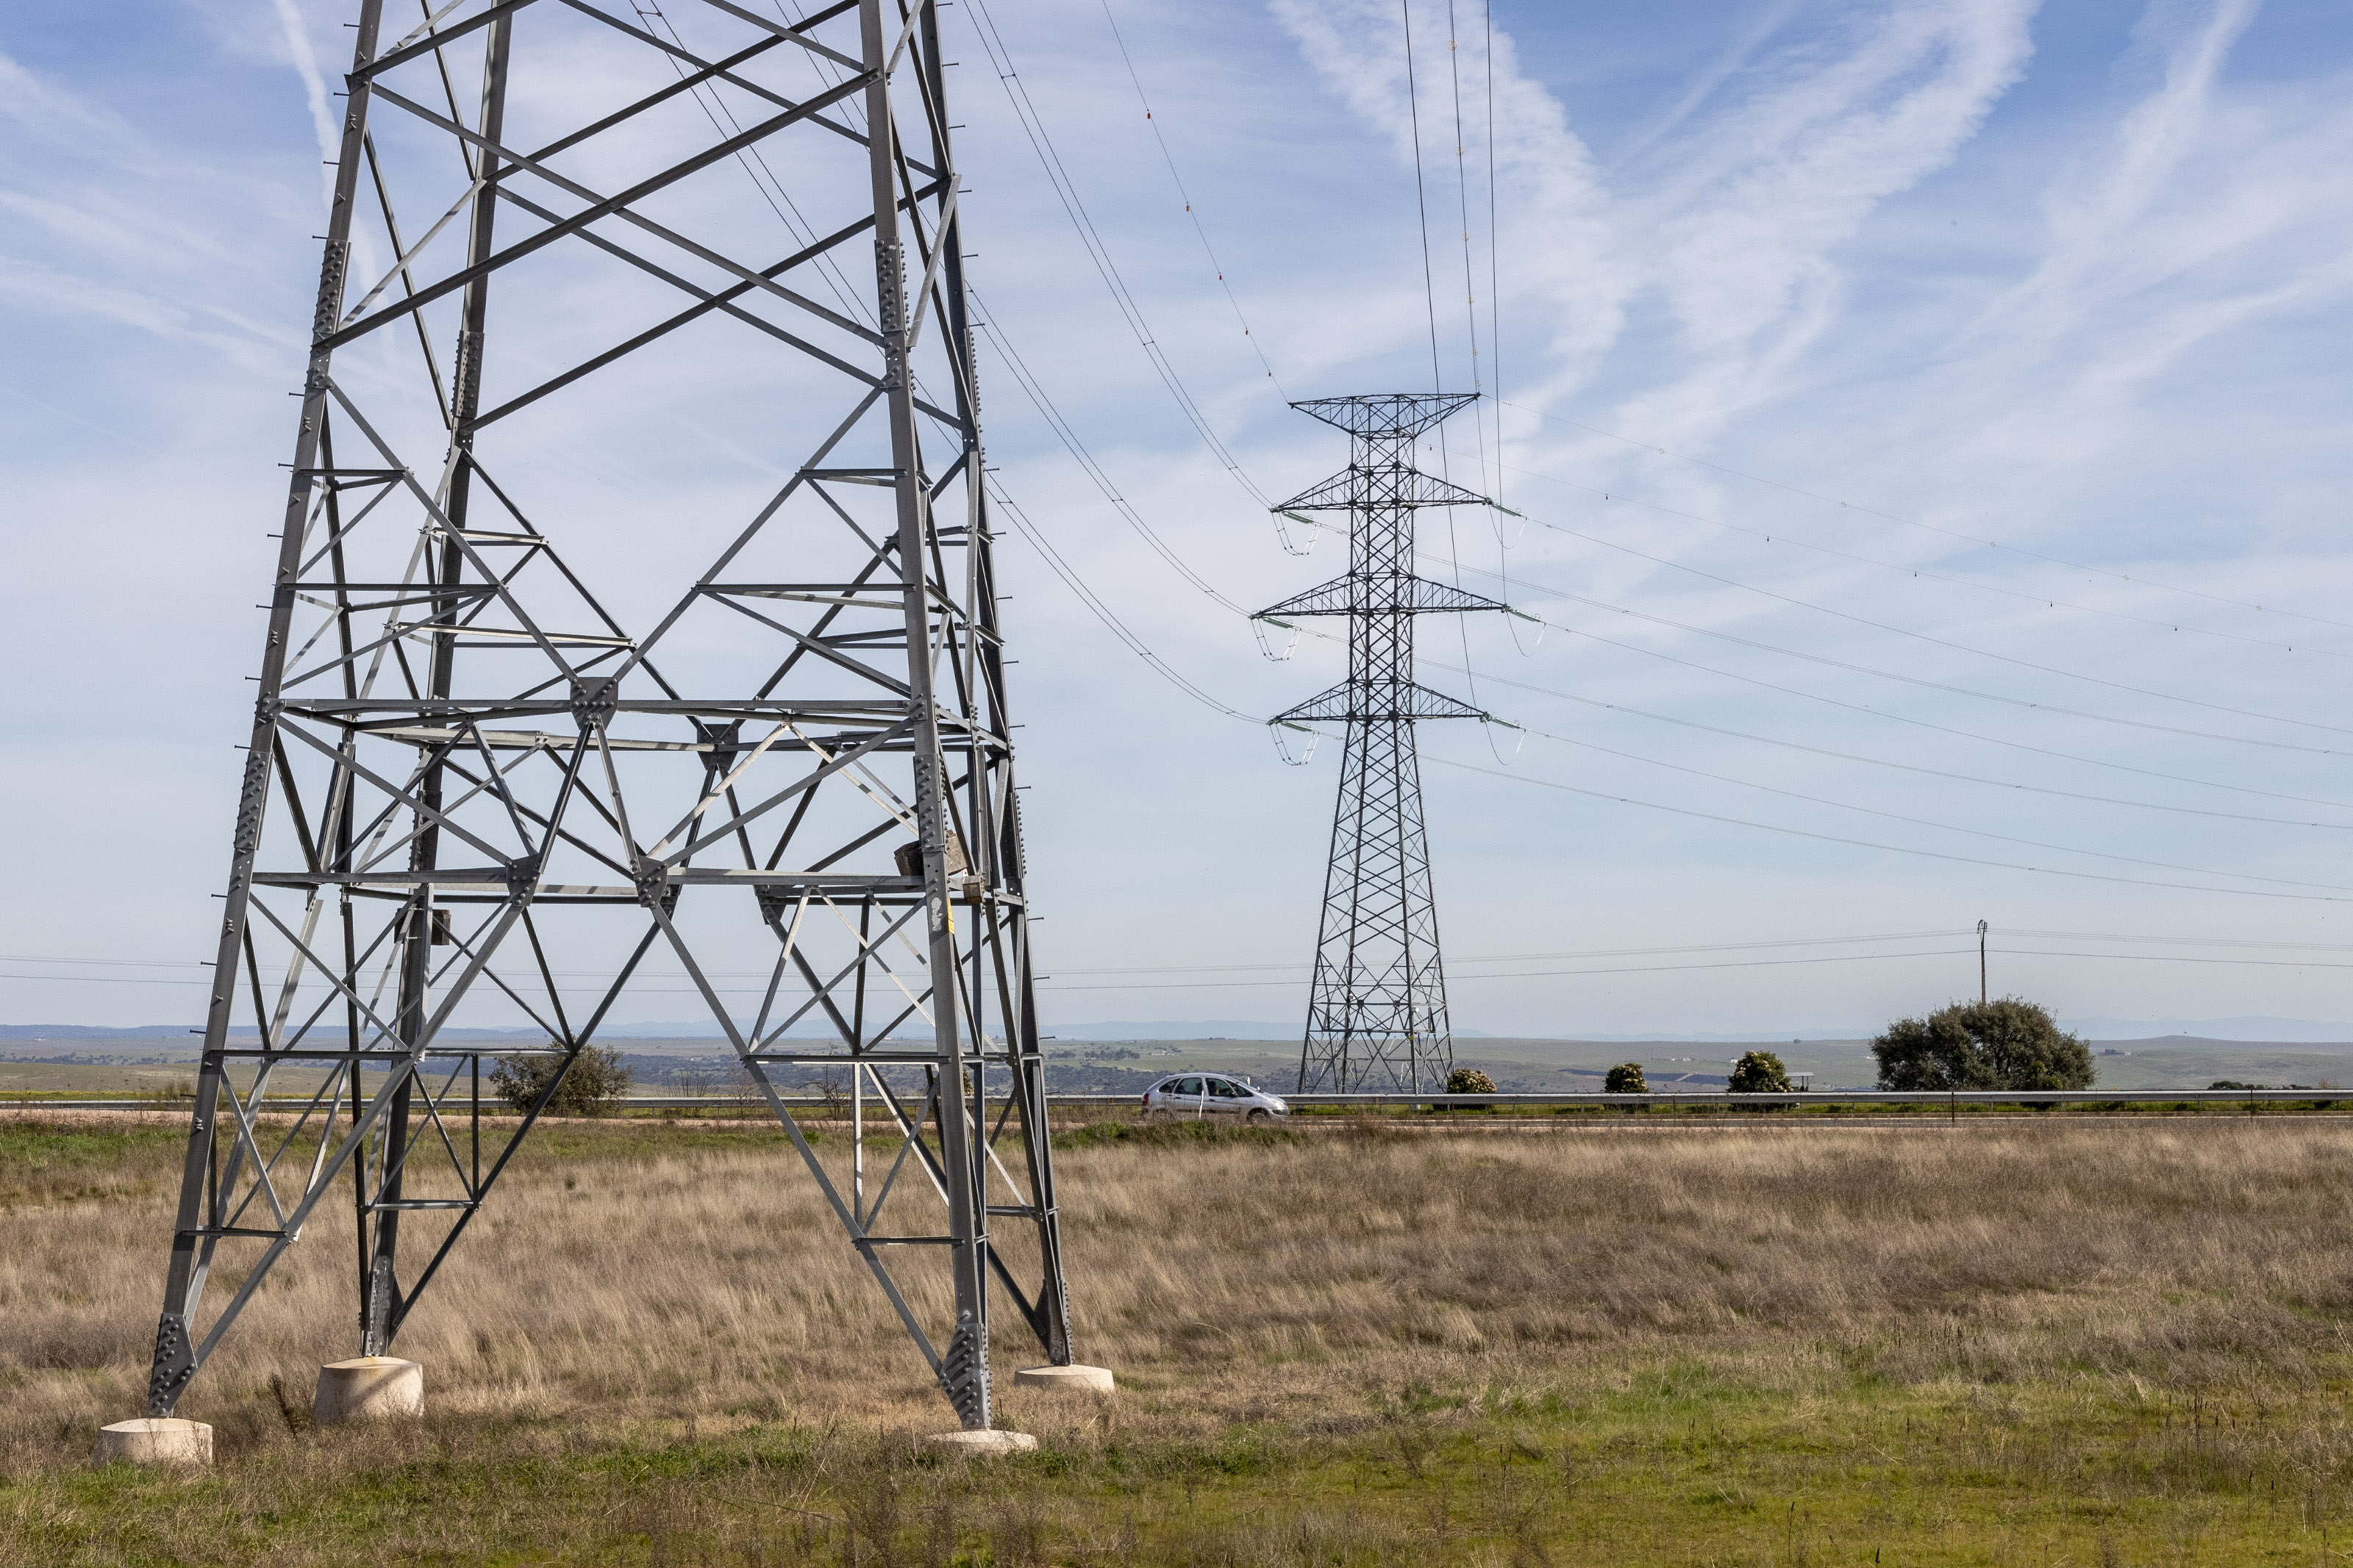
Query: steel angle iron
{"x": 501, "y": 771}
{"x": 1376, "y": 1014}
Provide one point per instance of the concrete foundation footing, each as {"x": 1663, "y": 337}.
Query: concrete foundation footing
{"x": 981, "y": 1445}
{"x": 1071, "y": 1379}
{"x": 156, "y": 1440}
{"x": 368, "y": 1388}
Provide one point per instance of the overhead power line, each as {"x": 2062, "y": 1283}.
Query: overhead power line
{"x": 1889, "y": 849}
{"x": 1930, "y": 573}
{"x": 1925, "y": 822}
{"x": 1479, "y": 411}
{"x": 755, "y": 163}
{"x": 1097, "y": 606}
{"x": 2006, "y": 784}
{"x": 1929, "y": 724}
{"x": 1102, "y": 611}
{"x": 1036, "y": 391}
{"x": 1932, "y": 528}
{"x": 1422, "y": 199}
{"x": 1494, "y": 256}
{"x": 1184, "y": 195}
{"x": 1033, "y": 126}
{"x": 1944, "y": 642}
{"x": 1169, "y": 672}
{"x": 1923, "y": 681}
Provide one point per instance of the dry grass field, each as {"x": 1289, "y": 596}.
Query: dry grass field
{"x": 2029, "y": 1342}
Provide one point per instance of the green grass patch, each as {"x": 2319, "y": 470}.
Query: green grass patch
{"x": 1679, "y": 1464}
{"x": 647, "y": 1138}
{"x": 46, "y": 1163}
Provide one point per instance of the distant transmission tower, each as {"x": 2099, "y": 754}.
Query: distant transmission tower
{"x": 1376, "y": 1018}
{"x": 635, "y": 597}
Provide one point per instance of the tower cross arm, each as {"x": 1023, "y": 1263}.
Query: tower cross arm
{"x": 1388, "y": 413}
{"x": 1391, "y": 594}
{"x": 1362, "y": 488}
{"x": 1383, "y": 702}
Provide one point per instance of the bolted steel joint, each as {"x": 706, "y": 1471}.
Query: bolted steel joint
{"x": 331, "y": 289}
{"x": 891, "y": 284}
{"x": 174, "y": 1363}
{"x": 594, "y": 701}
{"x": 725, "y": 742}
{"x": 963, "y": 1374}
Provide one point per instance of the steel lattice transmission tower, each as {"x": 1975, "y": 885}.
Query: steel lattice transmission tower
{"x": 634, "y": 613}
{"x": 1376, "y": 1017}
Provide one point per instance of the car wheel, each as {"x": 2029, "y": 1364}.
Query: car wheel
{"x": 1259, "y": 1118}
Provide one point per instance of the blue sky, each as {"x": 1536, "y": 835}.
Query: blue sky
{"x": 1911, "y": 405}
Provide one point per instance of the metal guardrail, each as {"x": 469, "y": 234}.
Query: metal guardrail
{"x": 1705, "y": 1100}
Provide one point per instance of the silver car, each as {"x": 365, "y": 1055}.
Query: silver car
{"x": 1196, "y": 1096}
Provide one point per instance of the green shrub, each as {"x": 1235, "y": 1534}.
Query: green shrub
{"x": 1760, "y": 1072}
{"x": 2005, "y": 1044}
{"x": 1469, "y": 1080}
{"x": 1626, "y": 1078}
{"x": 593, "y": 1088}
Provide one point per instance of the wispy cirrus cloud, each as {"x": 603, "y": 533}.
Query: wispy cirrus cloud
{"x": 305, "y": 60}
{"x": 1725, "y": 223}
{"x": 2198, "y": 209}
{"x": 1707, "y": 269}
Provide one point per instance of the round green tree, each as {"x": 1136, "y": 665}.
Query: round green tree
{"x": 2005, "y": 1044}
{"x": 1626, "y": 1078}
{"x": 1759, "y": 1072}
{"x": 593, "y": 1088}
